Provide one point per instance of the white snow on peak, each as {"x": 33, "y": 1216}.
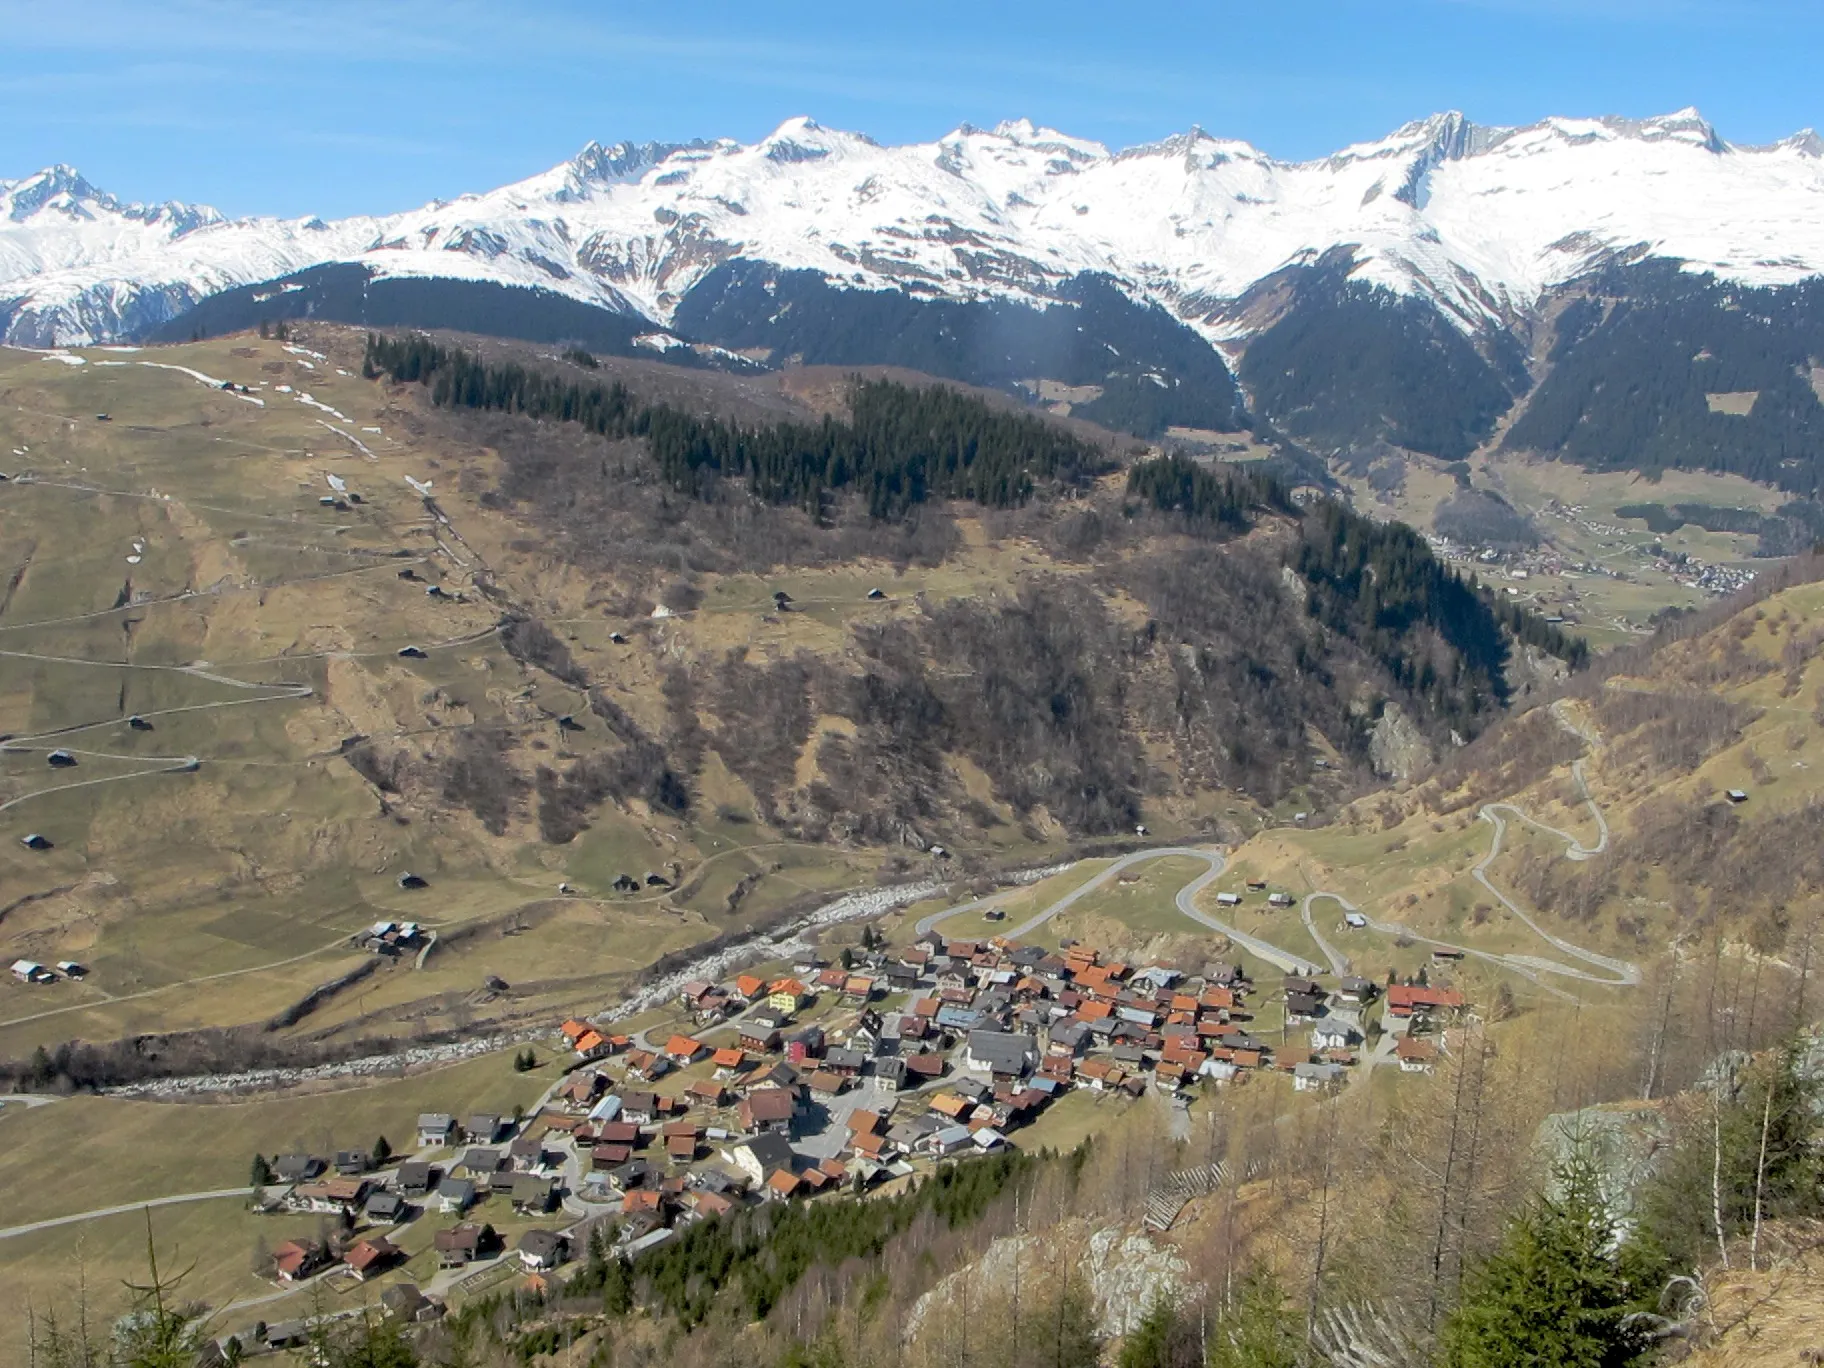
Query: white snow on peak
{"x": 1482, "y": 220}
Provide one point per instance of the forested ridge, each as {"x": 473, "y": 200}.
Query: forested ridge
{"x": 1152, "y": 369}
{"x": 1638, "y": 356}
{"x": 899, "y": 446}
{"x": 1043, "y": 685}
{"x": 1347, "y": 364}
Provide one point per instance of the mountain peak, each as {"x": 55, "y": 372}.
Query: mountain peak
{"x": 63, "y": 189}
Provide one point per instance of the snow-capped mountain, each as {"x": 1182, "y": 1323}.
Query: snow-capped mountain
{"x": 1482, "y": 221}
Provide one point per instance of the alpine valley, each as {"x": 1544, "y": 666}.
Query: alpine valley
{"x": 1630, "y": 295}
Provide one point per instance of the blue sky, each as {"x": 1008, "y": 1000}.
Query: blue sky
{"x": 338, "y": 106}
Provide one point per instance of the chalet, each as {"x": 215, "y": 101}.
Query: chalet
{"x": 337, "y": 1197}
{"x": 482, "y": 1128}
{"x": 610, "y": 1155}
{"x": 952, "y": 1106}
{"x": 1332, "y": 1035}
{"x": 371, "y": 1256}
{"x": 681, "y": 1146}
{"x": 803, "y": 1044}
{"x": 924, "y": 1068}
{"x": 1303, "y": 1007}
{"x": 748, "y": 987}
{"x": 760, "y": 1033}
{"x": 385, "y": 1208}
{"x": 404, "y": 1302}
{"x": 781, "y": 1185}
{"x": 415, "y": 1178}
{"x": 683, "y": 1049}
{"x": 349, "y": 1163}
{"x": 594, "y": 1045}
{"x": 826, "y": 1085}
{"x": 541, "y": 1249}
{"x": 890, "y": 1072}
{"x": 1316, "y": 1077}
{"x": 527, "y": 1152}
{"x": 858, "y": 987}
{"x": 947, "y": 1141}
{"x": 647, "y": 1066}
{"x": 1407, "y": 1002}
{"x": 1355, "y": 921}
{"x": 707, "y": 1091}
{"x": 870, "y": 1145}
{"x": 847, "y": 1062}
{"x": 296, "y": 1260}
{"x": 297, "y": 1168}
{"x": 480, "y": 1163}
{"x": 1228, "y": 900}
{"x": 639, "y": 1108}
{"x": 1415, "y": 1056}
{"x": 582, "y": 1088}
{"x": 1356, "y": 991}
{"x": 761, "y": 1155}
{"x": 729, "y": 1063}
{"x": 455, "y": 1195}
{"x": 461, "y": 1245}
{"x": 532, "y": 1193}
{"x": 768, "y": 1111}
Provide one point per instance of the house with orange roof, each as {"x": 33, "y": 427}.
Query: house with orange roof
{"x": 749, "y": 986}
{"x": 573, "y": 1030}
{"x": 592, "y": 1045}
{"x": 951, "y": 1105}
{"x": 683, "y": 1049}
{"x": 782, "y": 1185}
{"x": 870, "y": 1145}
{"x": 787, "y": 995}
{"x": 729, "y": 1062}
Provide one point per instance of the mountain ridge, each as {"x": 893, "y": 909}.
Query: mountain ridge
{"x": 1008, "y": 212}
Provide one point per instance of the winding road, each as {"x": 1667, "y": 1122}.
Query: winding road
{"x": 1186, "y": 902}
{"x": 1613, "y": 972}
{"x": 1589, "y": 966}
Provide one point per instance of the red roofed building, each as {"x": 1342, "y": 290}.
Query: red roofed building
{"x": 1408, "y": 1000}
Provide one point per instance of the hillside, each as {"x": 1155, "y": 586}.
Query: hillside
{"x": 554, "y": 667}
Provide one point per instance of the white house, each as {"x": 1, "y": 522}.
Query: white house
{"x": 30, "y": 971}
{"x": 1332, "y": 1035}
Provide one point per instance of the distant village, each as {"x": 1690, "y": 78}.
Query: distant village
{"x": 745, "y": 1101}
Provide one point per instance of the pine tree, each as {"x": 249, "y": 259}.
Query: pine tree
{"x": 1258, "y": 1329}
{"x": 617, "y": 1287}
{"x": 382, "y": 1152}
{"x": 1553, "y": 1295}
{"x": 261, "y": 1173}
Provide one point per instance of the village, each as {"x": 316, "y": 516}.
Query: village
{"x": 819, "y": 1078}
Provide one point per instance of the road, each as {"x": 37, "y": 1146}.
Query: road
{"x": 1617, "y": 973}
{"x": 1186, "y": 902}
{"x": 124, "y": 1209}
